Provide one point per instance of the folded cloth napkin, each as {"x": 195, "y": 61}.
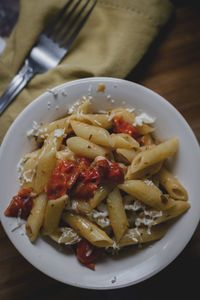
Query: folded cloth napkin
{"x": 114, "y": 39}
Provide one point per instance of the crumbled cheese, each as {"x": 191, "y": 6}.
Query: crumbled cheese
{"x": 131, "y": 235}
{"x": 143, "y": 118}
{"x": 28, "y": 175}
{"x": 130, "y": 109}
{"x": 59, "y": 132}
{"x": 36, "y": 129}
{"x": 108, "y": 97}
{"x": 148, "y": 182}
{"x": 68, "y": 233}
{"x": 100, "y": 216}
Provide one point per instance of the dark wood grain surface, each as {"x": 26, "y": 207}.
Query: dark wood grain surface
{"x": 171, "y": 68}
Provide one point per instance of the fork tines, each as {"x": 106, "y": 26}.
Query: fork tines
{"x": 69, "y": 21}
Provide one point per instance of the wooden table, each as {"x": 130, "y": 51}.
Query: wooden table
{"x": 171, "y": 68}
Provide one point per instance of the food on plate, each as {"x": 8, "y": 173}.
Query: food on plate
{"x": 97, "y": 182}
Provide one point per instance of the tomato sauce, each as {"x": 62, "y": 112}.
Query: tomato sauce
{"x": 87, "y": 254}
{"x": 121, "y": 126}
{"x": 20, "y": 205}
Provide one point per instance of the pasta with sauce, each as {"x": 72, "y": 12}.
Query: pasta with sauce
{"x": 97, "y": 182}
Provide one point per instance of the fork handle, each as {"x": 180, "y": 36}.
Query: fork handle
{"x": 16, "y": 85}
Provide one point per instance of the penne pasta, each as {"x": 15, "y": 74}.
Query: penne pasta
{"x": 124, "y": 113}
{"x": 178, "y": 209}
{"x": 46, "y": 161}
{"x": 65, "y": 154}
{"x": 99, "y": 196}
{"x": 156, "y": 154}
{"x": 88, "y": 230}
{"x": 65, "y": 235}
{"x": 97, "y": 135}
{"x": 53, "y": 213}
{"x": 172, "y": 185}
{"x": 27, "y": 175}
{"x": 141, "y": 235}
{"x": 147, "y": 193}
{"x": 102, "y": 120}
{"x": 85, "y": 148}
{"x": 46, "y": 129}
{"x": 125, "y": 155}
{"x": 144, "y": 173}
{"x": 123, "y": 140}
{"x": 35, "y": 219}
{"x": 117, "y": 215}
{"x": 145, "y": 129}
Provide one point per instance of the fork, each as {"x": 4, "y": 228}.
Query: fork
{"x": 51, "y": 46}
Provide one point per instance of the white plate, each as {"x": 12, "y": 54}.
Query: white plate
{"x": 134, "y": 266}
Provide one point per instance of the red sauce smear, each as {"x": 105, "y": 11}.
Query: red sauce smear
{"x": 20, "y": 205}
{"x": 121, "y": 126}
{"x": 87, "y": 254}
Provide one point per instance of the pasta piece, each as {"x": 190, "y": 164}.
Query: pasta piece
{"x": 123, "y": 140}
{"x": 178, "y": 209}
{"x": 102, "y": 120}
{"x": 127, "y": 155}
{"x": 145, "y": 129}
{"x": 147, "y": 193}
{"x": 46, "y": 161}
{"x": 124, "y": 113}
{"x": 35, "y": 219}
{"x": 65, "y": 235}
{"x": 27, "y": 175}
{"x": 172, "y": 185}
{"x": 65, "y": 154}
{"x": 85, "y": 148}
{"x": 141, "y": 235}
{"x": 82, "y": 206}
{"x": 53, "y": 213}
{"x": 99, "y": 196}
{"x": 88, "y": 230}
{"x": 46, "y": 129}
{"x": 92, "y": 133}
{"x": 152, "y": 156}
{"x": 146, "y": 140}
{"x": 117, "y": 215}
{"x": 144, "y": 173}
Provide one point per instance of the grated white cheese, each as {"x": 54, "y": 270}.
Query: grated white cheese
{"x": 143, "y": 118}
{"x": 59, "y": 132}
{"x": 148, "y": 182}
{"x": 36, "y": 129}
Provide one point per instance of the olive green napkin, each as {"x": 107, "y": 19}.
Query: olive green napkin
{"x": 114, "y": 39}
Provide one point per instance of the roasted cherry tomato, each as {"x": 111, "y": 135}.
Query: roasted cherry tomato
{"x": 85, "y": 190}
{"x": 62, "y": 179}
{"x": 87, "y": 254}
{"x": 20, "y": 205}
{"x": 121, "y": 126}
